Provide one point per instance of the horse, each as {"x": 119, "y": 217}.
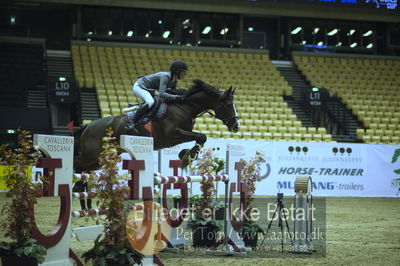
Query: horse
{"x": 175, "y": 128}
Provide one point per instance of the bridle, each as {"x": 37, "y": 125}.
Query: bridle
{"x": 228, "y": 121}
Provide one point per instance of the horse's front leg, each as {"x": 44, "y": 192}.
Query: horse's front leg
{"x": 187, "y": 156}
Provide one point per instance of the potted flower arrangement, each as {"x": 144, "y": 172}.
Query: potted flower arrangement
{"x": 205, "y": 228}
{"x": 249, "y": 175}
{"x": 113, "y": 248}
{"x": 17, "y": 214}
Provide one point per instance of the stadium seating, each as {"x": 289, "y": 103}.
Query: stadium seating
{"x": 259, "y": 86}
{"x": 368, "y": 86}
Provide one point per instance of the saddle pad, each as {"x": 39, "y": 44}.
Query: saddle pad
{"x": 161, "y": 112}
{"x": 159, "y": 115}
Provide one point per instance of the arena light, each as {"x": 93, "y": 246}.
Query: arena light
{"x": 224, "y": 31}
{"x": 186, "y": 21}
{"x": 206, "y": 30}
{"x": 339, "y": 44}
{"x": 354, "y": 44}
{"x": 110, "y": 32}
{"x": 320, "y": 43}
{"x": 368, "y": 33}
{"x": 316, "y": 30}
{"x": 250, "y": 29}
{"x": 296, "y": 30}
{"x": 130, "y": 33}
{"x": 10, "y": 131}
{"x": 90, "y": 32}
{"x": 332, "y": 32}
{"x": 62, "y": 79}
{"x": 370, "y": 45}
{"x": 351, "y": 32}
{"x": 160, "y": 22}
{"x": 147, "y": 35}
{"x": 12, "y": 20}
{"x": 166, "y": 34}
{"x": 304, "y": 42}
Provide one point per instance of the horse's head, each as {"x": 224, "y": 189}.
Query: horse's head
{"x": 210, "y": 97}
{"x": 226, "y": 111}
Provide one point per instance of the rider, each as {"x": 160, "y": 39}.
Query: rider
{"x": 145, "y": 87}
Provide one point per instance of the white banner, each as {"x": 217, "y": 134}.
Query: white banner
{"x": 337, "y": 169}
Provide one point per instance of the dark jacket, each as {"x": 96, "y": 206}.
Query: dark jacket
{"x": 80, "y": 187}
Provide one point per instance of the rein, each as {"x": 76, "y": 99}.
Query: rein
{"x": 196, "y": 105}
{"x": 226, "y": 121}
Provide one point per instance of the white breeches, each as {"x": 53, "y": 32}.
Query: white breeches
{"x": 143, "y": 94}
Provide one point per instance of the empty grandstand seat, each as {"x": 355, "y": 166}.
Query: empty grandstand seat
{"x": 370, "y": 92}
{"x": 260, "y": 105}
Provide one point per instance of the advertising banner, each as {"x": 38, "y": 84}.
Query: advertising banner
{"x": 337, "y": 169}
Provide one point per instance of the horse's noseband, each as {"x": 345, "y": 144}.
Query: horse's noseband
{"x": 228, "y": 120}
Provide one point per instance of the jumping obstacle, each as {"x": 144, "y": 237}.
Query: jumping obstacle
{"x": 232, "y": 243}
{"x": 189, "y": 179}
{"x": 169, "y": 164}
{"x": 303, "y": 226}
{"x": 140, "y": 149}
{"x": 142, "y": 182}
{"x": 166, "y": 181}
{"x": 86, "y": 232}
{"x": 168, "y": 158}
{"x": 58, "y": 167}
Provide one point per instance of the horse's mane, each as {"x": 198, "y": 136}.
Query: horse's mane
{"x": 199, "y": 85}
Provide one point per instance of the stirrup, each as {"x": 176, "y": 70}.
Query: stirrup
{"x": 131, "y": 126}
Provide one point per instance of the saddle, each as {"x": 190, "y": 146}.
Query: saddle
{"x": 158, "y": 115}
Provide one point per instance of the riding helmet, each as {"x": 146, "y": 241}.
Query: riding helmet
{"x": 178, "y": 65}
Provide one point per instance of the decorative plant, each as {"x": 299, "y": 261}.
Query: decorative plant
{"x": 17, "y": 214}
{"x": 250, "y": 172}
{"x": 114, "y": 247}
{"x": 207, "y": 164}
{"x": 249, "y": 175}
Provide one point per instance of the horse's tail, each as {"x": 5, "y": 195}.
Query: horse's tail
{"x": 77, "y": 135}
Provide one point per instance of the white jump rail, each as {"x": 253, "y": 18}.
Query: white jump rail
{"x": 189, "y": 179}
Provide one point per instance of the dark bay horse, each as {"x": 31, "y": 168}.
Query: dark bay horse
{"x": 175, "y": 128}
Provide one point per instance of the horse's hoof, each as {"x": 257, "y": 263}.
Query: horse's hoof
{"x": 185, "y": 163}
{"x": 194, "y": 155}
{"x": 182, "y": 153}
{"x": 184, "y": 157}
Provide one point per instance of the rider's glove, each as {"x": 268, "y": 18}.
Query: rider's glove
{"x": 180, "y": 98}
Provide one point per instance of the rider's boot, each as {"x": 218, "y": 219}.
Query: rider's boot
{"x": 150, "y": 115}
{"x": 134, "y": 122}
